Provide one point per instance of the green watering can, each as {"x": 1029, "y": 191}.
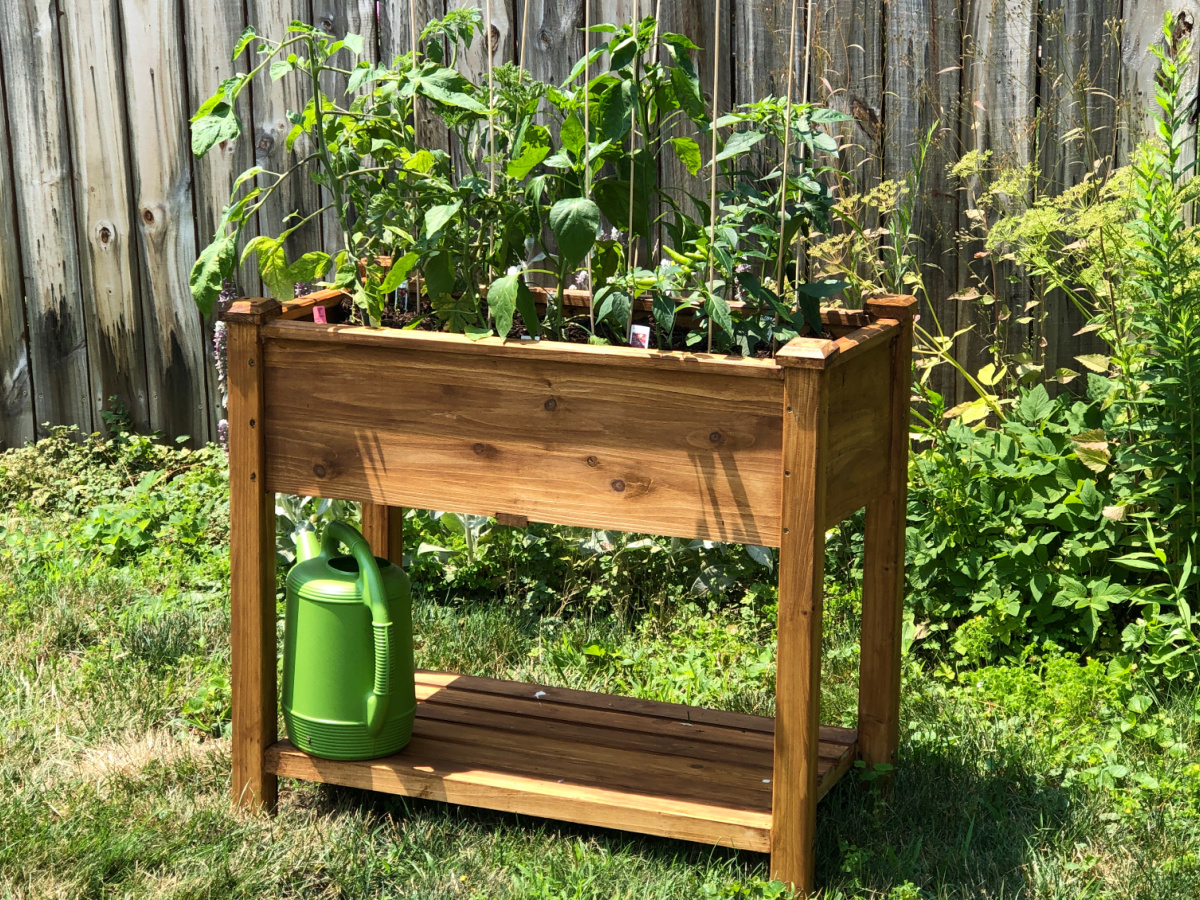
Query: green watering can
{"x": 348, "y": 688}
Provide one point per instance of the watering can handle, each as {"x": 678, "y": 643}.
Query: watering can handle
{"x": 381, "y": 618}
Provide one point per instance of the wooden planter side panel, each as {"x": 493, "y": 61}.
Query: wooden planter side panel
{"x": 687, "y": 454}
{"x": 860, "y": 423}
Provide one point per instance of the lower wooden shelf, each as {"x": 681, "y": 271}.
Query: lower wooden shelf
{"x": 595, "y": 759}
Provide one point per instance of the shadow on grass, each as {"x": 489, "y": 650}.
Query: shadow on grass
{"x": 956, "y": 821}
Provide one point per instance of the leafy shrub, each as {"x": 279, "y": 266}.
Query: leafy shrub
{"x": 1009, "y": 536}
{"x": 1079, "y": 521}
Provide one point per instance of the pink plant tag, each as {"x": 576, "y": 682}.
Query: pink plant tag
{"x": 319, "y": 315}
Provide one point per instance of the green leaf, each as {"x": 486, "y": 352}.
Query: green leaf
{"x": 346, "y": 273}
{"x": 572, "y": 135}
{"x": 450, "y": 88}
{"x": 215, "y": 263}
{"x": 281, "y": 67}
{"x": 688, "y": 152}
{"x": 738, "y": 143}
{"x": 527, "y": 307}
{"x": 664, "y": 315}
{"x": 243, "y": 42}
{"x": 309, "y": 267}
{"x": 622, "y": 54}
{"x": 439, "y": 275}
{"x": 1035, "y": 405}
{"x": 502, "y": 301}
{"x": 615, "y": 303}
{"x": 363, "y": 74}
{"x": 825, "y": 116}
{"x": 399, "y": 272}
{"x": 1091, "y": 448}
{"x": 615, "y": 108}
{"x": 422, "y": 161}
{"x": 354, "y": 43}
{"x": 438, "y": 217}
{"x": 272, "y": 264}
{"x": 525, "y": 163}
{"x": 574, "y": 222}
{"x": 252, "y": 172}
{"x": 718, "y": 311}
{"x": 1097, "y": 362}
{"x": 221, "y": 124}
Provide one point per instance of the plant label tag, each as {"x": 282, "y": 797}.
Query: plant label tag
{"x": 319, "y": 315}
{"x": 639, "y": 336}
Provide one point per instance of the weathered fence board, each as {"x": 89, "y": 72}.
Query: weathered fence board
{"x": 922, "y": 96}
{"x": 16, "y": 402}
{"x": 271, "y": 101}
{"x": 104, "y": 208}
{"x": 41, "y": 162}
{"x": 97, "y": 183}
{"x": 212, "y": 27}
{"x": 341, "y": 17}
{"x": 398, "y": 20}
{"x": 159, "y": 138}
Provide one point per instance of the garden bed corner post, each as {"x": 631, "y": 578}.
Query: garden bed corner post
{"x": 794, "y": 786}
{"x": 251, "y": 559}
{"x": 883, "y": 560}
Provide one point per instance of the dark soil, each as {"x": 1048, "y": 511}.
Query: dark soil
{"x": 395, "y": 315}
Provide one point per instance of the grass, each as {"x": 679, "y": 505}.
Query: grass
{"x": 1052, "y": 780}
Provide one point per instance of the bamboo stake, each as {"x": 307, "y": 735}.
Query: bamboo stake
{"x": 787, "y": 147}
{"x": 487, "y": 44}
{"x": 631, "y": 249}
{"x": 412, "y": 29}
{"x": 805, "y": 95}
{"x": 712, "y": 197}
{"x": 587, "y": 146}
{"x": 524, "y": 35}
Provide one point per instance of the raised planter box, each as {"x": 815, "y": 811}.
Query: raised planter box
{"x": 758, "y": 451}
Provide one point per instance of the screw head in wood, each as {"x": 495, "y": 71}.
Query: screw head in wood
{"x": 593, "y": 462}
{"x": 715, "y": 437}
{"x": 551, "y": 405}
{"x": 319, "y": 470}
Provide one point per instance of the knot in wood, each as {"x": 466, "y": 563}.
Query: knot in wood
{"x": 319, "y": 470}
{"x": 551, "y": 405}
{"x": 152, "y": 216}
{"x": 327, "y": 23}
{"x": 265, "y": 143}
{"x": 593, "y": 462}
{"x": 494, "y": 40}
{"x": 105, "y": 232}
{"x": 618, "y": 485}
{"x": 544, "y": 39}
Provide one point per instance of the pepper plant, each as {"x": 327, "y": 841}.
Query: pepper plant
{"x": 555, "y": 183}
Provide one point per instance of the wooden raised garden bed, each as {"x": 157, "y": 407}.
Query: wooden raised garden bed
{"x": 769, "y": 452}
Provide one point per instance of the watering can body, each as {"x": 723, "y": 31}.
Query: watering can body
{"x": 348, "y": 687}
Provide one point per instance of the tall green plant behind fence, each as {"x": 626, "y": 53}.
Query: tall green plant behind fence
{"x": 103, "y": 207}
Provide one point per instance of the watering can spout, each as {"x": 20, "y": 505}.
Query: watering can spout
{"x": 308, "y": 546}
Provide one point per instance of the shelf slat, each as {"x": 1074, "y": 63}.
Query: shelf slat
{"x": 595, "y": 759}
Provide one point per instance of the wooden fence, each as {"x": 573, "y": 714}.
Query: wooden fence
{"x": 102, "y": 207}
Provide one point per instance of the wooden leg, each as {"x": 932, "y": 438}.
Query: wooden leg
{"x": 883, "y": 579}
{"x": 383, "y": 527}
{"x": 798, "y": 674}
{"x": 252, "y": 576}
